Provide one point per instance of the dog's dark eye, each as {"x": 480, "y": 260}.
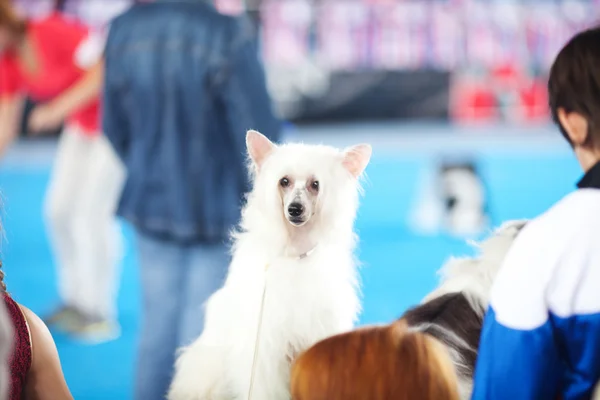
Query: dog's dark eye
{"x": 284, "y": 182}
{"x": 315, "y": 185}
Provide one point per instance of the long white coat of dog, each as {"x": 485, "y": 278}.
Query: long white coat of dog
{"x": 296, "y": 240}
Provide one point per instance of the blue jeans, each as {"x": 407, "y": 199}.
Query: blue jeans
{"x": 176, "y": 282}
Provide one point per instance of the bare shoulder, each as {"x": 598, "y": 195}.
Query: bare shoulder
{"x": 38, "y": 331}
{"x": 46, "y": 379}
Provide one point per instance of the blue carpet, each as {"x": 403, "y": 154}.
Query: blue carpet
{"x": 399, "y": 266}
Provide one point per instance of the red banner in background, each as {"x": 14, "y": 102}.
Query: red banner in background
{"x": 504, "y": 93}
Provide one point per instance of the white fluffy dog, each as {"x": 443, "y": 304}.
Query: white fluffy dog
{"x": 293, "y": 278}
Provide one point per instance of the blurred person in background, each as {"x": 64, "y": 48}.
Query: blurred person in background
{"x": 33, "y": 369}
{"x": 183, "y": 85}
{"x": 57, "y": 62}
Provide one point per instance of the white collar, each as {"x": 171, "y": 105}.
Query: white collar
{"x": 306, "y": 254}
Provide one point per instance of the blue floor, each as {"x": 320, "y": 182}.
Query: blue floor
{"x": 399, "y": 266}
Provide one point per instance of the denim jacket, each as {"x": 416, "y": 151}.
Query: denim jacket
{"x": 183, "y": 84}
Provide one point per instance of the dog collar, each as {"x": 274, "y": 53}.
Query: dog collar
{"x": 307, "y": 254}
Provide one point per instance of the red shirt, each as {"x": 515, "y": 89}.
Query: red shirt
{"x": 61, "y": 46}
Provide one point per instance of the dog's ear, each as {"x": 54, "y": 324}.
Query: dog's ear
{"x": 357, "y": 158}
{"x": 259, "y": 147}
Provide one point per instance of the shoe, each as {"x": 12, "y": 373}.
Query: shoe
{"x": 64, "y": 317}
{"x": 96, "y": 331}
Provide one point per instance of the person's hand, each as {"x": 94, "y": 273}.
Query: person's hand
{"x": 44, "y": 118}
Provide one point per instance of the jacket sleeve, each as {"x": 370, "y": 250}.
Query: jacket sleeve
{"x": 541, "y": 336}
{"x": 516, "y": 363}
{"x": 243, "y": 89}
{"x": 518, "y": 357}
{"x": 114, "y": 121}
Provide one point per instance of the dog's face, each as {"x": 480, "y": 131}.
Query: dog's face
{"x": 305, "y": 184}
{"x": 299, "y": 197}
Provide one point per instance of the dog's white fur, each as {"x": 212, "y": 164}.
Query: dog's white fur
{"x": 307, "y": 299}
{"x": 474, "y": 276}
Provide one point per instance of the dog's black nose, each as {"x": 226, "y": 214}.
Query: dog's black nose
{"x": 295, "y": 209}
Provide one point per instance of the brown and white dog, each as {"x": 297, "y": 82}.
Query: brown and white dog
{"x": 453, "y": 313}
{"x": 451, "y": 316}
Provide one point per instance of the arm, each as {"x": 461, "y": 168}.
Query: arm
{"x": 243, "y": 90}
{"x": 575, "y": 306}
{"x": 81, "y": 93}
{"x": 11, "y": 111}
{"x": 45, "y": 380}
{"x": 518, "y": 357}
{"x": 75, "y": 44}
{"x": 516, "y": 363}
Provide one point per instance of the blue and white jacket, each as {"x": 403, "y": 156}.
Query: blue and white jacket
{"x": 541, "y": 335}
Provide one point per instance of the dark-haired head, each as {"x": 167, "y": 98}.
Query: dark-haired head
{"x": 574, "y": 94}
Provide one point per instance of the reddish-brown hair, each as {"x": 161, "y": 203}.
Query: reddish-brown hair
{"x": 381, "y": 363}
{"x": 10, "y": 19}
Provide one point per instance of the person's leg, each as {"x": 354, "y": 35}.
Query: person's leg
{"x": 63, "y": 193}
{"x": 99, "y": 240}
{"x": 206, "y": 269}
{"x": 162, "y": 278}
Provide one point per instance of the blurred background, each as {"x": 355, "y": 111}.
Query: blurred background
{"x": 450, "y": 93}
